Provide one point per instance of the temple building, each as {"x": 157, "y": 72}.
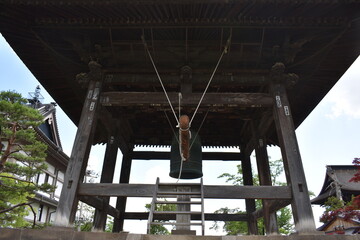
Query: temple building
{"x": 56, "y": 161}
{"x": 337, "y": 184}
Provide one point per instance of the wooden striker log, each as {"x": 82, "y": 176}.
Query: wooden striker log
{"x": 184, "y": 137}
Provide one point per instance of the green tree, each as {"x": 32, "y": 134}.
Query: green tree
{"x": 231, "y": 227}
{"x": 284, "y": 215}
{"x": 22, "y": 158}
{"x": 85, "y": 213}
{"x": 84, "y": 217}
{"x": 109, "y": 224}
{"x": 160, "y": 229}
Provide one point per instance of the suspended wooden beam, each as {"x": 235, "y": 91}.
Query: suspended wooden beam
{"x": 221, "y": 156}
{"x": 210, "y": 191}
{"x": 210, "y": 99}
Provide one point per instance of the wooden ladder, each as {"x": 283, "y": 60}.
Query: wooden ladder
{"x": 176, "y": 190}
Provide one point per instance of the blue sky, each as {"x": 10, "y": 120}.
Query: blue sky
{"x": 329, "y": 135}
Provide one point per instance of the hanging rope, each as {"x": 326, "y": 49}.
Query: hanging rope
{"x": 158, "y": 75}
{"x": 212, "y": 76}
{"x": 183, "y": 122}
{"x": 180, "y": 97}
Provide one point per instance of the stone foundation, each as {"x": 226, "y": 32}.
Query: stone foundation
{"x": 68, "y": 234}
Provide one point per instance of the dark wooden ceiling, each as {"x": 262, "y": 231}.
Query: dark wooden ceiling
{"x": 317, "y": 40}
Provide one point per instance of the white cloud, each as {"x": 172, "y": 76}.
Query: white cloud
{"x": 345, "y": 97}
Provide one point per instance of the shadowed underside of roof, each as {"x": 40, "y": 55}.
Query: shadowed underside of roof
{"x": 317, "y": 40}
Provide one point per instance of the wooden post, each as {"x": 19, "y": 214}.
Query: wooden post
{"x": 262, "y": 161}
{"x": 107, "y": 176}
{"x": 301, "y": 207}
{"x": 183, "y": 218}
{"x": 250, "y": 203}
{"x": 121, "y": 201}
{"x": 65, "y": 214}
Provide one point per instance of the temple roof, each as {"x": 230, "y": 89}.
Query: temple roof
{"x": 338, "y": 175}
{"x": 48, "y": 132}
{"x": 317, "y": 40}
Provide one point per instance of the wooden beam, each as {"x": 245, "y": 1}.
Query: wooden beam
{"x": 262, "y": 129}
{"x": 263, "y": 166}
{"x": 107, "y": 175}
{"x": 249, "y": 202}
{"x": 210, "y": 99}
{"x": 273, "y": 206}
{"x": 96, "y": 202}
{"x": 121, "y": 200}
{"x": 221, "y": 156}
{"x": 210, "y": 191}
{"x": 99, "y": 204}
{"x": 167, "y": 217}
{"x": 121, "y": 125}
{"x": 243, "y": 79}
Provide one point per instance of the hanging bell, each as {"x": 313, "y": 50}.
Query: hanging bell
{"x": 192, "y": 167}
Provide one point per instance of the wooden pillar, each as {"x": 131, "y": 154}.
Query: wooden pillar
{"x": 250, "y": 203}
{"x": 121, "y": 201}
{"x": 107, "y": 175}
{"x": 262, "y": 161}
{"x": 301, "y": 207}
{"x": 183, "y": 218}
{"x": 66, "y": 210}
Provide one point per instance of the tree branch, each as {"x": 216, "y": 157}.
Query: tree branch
{"x": 34, "y": 220}
{"x": 14, "y": 152}
{"x": 19, "y": 205}
{"x": 15, "y": 206}
{"x": 18, "y": 179}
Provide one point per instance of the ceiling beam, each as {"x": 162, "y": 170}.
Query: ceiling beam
{"x": 158, "y": 99}
{"x": 229, "y": 79}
